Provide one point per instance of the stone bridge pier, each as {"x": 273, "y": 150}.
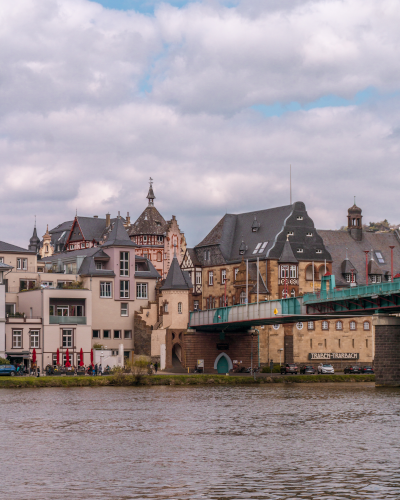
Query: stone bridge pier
{"x": 387, "y": 350}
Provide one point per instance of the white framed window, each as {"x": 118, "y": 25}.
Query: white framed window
{"x": 19, "y": 263}
{"x": 24, "y": 264}
{"x": 299, "y": 217}
{"x": 166, "y": 307}
{"x": 236, "y": 271}
{"x": 198, "y": 277}
{"x": 99, "y": 265}
{"x": 309, "y": 234}
{"x": 325, "y": 325}
{"x": 124, "y": 263}
{"x": 319, "y": 251}
{"x": 293, "y": 293}
{"x": 62, "y": 311}
{"x": 293, "y": 271}
{"x": 196, "y": 305}
{"x": 300, "y": 250}
{"x": 223, "y": 276}
{"x": 72, "y": 247}
{"x": 34, "y": 334}
{"x": 54, "y": 359}
{"x": 290, "y": 233}
{"x": 124, "y": 309}
{"x": 379, "y": 256}
{"x": 67, "y": 338}
{"x": 210, "y": 278}
{"x": 17, "y": 339}
{"x": 263, "y": 247}
{"x": 276, "y": 327}
{"x": 105, "y": 289}
{"x": 352, "y": 325}
{"x": 117, "y": 334}
{"x": 366, "y": 325}
{"x": 106, "y": 334}
{"x": 179, "y": 307}
{"x": 159, "y": 239}
{"x": 257, "y": 248}
{"x": 141, "y": 290}
{"x": 124, "y": 289}
{"x": 1, "y": 260}
{"x": 339, "y": 325}
{"x": 310, "y": 325}
{"x": 243, "y": 298}
{"x": 144, "y": 238}
{"x": 348, "y": 278}
{"x": 373, "y": 278}
{"x": 284, "y": 271}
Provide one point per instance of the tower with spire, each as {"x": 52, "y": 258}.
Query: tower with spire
{"x": 34, "y": 242}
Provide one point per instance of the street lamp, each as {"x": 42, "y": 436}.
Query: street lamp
{"x": 280, "y": 354}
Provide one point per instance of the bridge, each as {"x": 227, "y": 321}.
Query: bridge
{"x": 328, "y": 303}
{"x": 380, "y": 300}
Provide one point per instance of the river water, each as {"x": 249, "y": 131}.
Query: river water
{"x": 266, "y": 442}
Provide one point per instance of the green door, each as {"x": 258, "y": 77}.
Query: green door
{"x": 223, "y": 366}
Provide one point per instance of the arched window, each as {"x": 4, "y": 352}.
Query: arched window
{"x": 293, "y": 292}
{"x": 321, "y": 272}
{"x": 366, "y": 325}
{"x": 325, "y": 325}
{"x": 159, "y": 257}
{"x": 309, "y": 273}
{"x": 339, "y": 325}
{"x": 352, "y": 325}
{"x": 284, "y": 294}
{"x": 179, "y": 307}
{"x": 243, "y": 297}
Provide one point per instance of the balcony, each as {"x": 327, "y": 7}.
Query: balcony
{"x": 67, "y": 320}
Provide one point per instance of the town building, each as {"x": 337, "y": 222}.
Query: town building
{"x": 157, "y": 239}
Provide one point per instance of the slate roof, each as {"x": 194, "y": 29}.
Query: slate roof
{"x": 149, "y": 222}
{"x": 287, "y": 256}
{"x": 146, "y": 269}
{"x": 118, "y": 237}
{"x": 336, "y": 243}
{"x": 348, "y": 267}
{"x": 5, "y": 267}
{"x": 262, "y": 287}
{"x": 272, "y": 227}
{"x": 176, "y": 278}
{"x": 8, "y": 247}
{"x": 193, "y": 257}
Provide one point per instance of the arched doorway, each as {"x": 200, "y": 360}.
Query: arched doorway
{"x": 223, "y": 363}
{"x": 177, "y": 356}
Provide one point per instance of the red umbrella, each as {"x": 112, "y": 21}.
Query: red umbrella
{"x": 81, "y": 363}
{"x": 91, "y": 357}
{"x": 34, "y": 356}
{"x": 67, "y": 363}
{"x": 58, "y": 356}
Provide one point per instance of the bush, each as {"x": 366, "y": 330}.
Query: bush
{"x": 276, "y": 369}
{"x": 4, "y": 361}
{"x": 98, "y": 347}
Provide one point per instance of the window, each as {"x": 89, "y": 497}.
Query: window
{"x": 159, "y": 257}
{"x": 106, "y": 334}
{"x": 339, "y": 343}
{"x": 352, "y": 325}
{"x": 127, "y": 334}
{"x": 299, "y": 326}
{"x": 1, "y": 260}
{"x": 352, "y": 343}
{"x": 198, "y": 277}
{"x": 34, "y": 339}
{"x": 124, "y": 309}
{"x": 276, "y": 327}
{"x": 72, "y": 247}
{"x": 67, "y": 338}
{"x": 236, "y": 271}
{"x": 159, "y": 239}
{"x": 105, "y": 289}
{"x": 366, "y": 343}
{"x": 22, "y": 264}
{"x": 243, "y": 298}
{"x": 62, "y": 310}
{"x": 141, "y": 290}
{"x": 293, "y": 271}
{"x": 311, "y": 343}
{"x": 47, "y": 284}
{"x": 299, "y": 217}
{"x": 263, "y": 247}
{"x": 290, "y": 233}
{"x": 179, "y": 307}
{"x": 284, "y": 271}
{"x": 196, "y": 305}
{"x": 17, "y": 339}
{"x": 144, "y": 238}
{"x": 95, "y": 334}
{"x": 54, "y": 359}
{"x": 99, "y": 265}
{"x": 339, "y": 325}
{"x": 309, "y": 234}
{"x": 293, "y": 293}
{"x": 117, "y": 334}
{"x": 319, "y": 251}
{"x": 166, "y": 307}
{"x": 325, "y": 325}
{"x": 379, "y": 256}
{"x": 300, "y": 250}
{"x": 366, "y": 325}
{"x": 124, "y": 263}
{"x": 124, "y": 289}
{"x": 223, "y": 276}
{"x": 325, "y": 343}
{"x": 310, "y": 325}
{"x": 257, "y": 248}
{"x": 348, "y": 278}
{"x": 206, "y": 254}
{"x": 19, "y": 263}
{"x": 210, "y": 278}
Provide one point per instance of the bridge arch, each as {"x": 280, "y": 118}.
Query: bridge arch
{"x": 228, "y": 359}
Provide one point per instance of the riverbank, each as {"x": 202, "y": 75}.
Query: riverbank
{"x": 174, "y": 380}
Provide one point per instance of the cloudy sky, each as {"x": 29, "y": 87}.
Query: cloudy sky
{"x": 213, "y": 98}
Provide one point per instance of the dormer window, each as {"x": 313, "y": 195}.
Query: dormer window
{"x": 319, "y": 251}
{"x": 299, "y": 217}
{"x": 206, "y": 254}
{"x": 144, "y": 238}
{"x": 256, "y": 225}
{"x": 290, "y": 233}
{"x": 309, "y": 234}
{"x": 299, "y": 250}
{"x": 241, "y": 252}
{"x": 375, "y": 278}
{"x": 348, "y": 278}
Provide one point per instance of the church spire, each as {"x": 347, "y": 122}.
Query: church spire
{"x": 150, "y": 196}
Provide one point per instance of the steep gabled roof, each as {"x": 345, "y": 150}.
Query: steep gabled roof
{"x": 348, "y": 268}
{"x": 176, "y": 278}
{"x": 118, "y": 236}
{"x": 150, "y": 221}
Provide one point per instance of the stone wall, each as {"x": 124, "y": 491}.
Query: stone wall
{"x": 142, "y": 337}
{"x": 387, "y": 350}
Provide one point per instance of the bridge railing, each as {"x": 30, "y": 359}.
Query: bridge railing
{"x": 353, "y": 292}
{"x": 246, "y": 312}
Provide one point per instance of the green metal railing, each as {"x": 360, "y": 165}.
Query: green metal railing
{"x": 67, "y": 320}
{"x": 353, "y": 292}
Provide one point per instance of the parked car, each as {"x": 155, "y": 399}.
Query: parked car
{"x": 307, "y": 370}
{"x": 8, "y": 370}
{"x": 352, "y": 369}
{"x": 325, "y": 368}
{"x": 367, "y": 369}
{"x": 289, "y": 368}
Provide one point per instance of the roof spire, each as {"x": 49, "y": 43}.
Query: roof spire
{"x": 150, "y": 195}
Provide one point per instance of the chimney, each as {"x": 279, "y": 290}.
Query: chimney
{"x": 128, "y": 219}
{"x": 108, "y": 220}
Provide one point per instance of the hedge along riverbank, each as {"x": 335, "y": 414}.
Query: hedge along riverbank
{"x": 133, "y": 380}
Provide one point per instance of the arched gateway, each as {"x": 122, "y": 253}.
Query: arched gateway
{"x": 223, "y": 363}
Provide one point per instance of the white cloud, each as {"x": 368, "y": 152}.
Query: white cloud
{"x": 76, "y": 131}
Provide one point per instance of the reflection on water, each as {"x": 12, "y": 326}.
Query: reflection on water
{"x": 266, "y": 442}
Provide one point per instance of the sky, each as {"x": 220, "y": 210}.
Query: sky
{"x": 214, "y": 99}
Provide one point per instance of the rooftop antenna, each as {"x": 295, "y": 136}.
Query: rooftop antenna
{"x": 290, "y": 178}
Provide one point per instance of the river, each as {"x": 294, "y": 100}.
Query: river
{"x": 333, "y": 441}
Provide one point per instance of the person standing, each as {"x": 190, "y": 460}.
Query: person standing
{"x": 155, "y": 366}
{"x": 100, "y": 369}
{"x": 96, "y": 369}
